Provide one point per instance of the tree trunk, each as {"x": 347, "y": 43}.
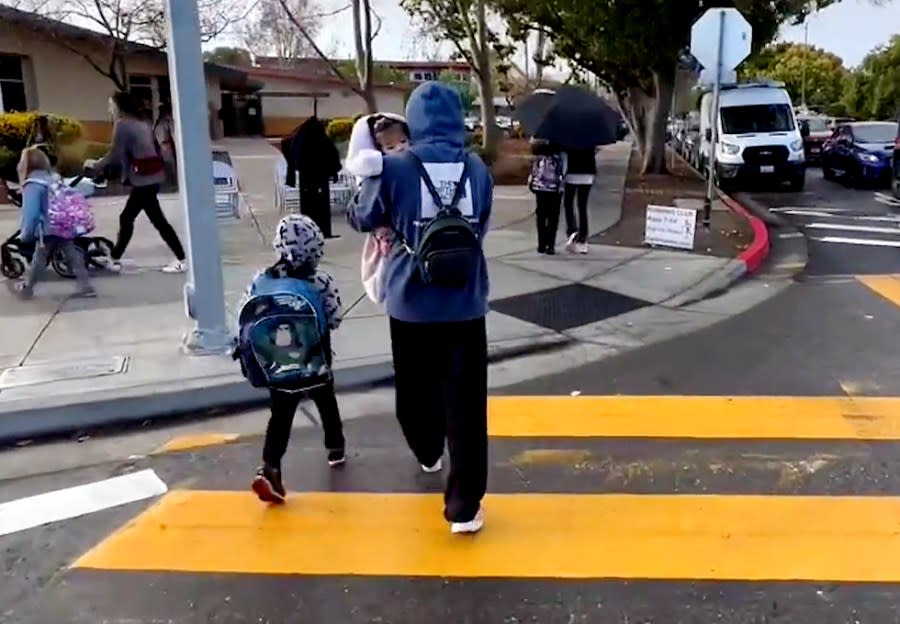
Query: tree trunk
{"x": 362, "y": 35}
{"x": 655, "y": 147}
{"x": 490, "y": 141}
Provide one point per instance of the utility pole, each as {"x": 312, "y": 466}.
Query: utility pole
{"x": 805, "y": 61}
{"x": 204, "y": 291}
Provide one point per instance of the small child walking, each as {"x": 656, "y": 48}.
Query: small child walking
{"x": 546, "y": 181}
{"x": 284, "y": 343}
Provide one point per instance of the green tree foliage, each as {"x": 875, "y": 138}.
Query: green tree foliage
{"x": 825, "y": 74}
{"x": 633, "y": 46}
{"x": 873, "y": 90}
{"x": 228, "y": 56}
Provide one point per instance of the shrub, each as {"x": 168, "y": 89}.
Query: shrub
{"x": 16, "y": 128}
{"x": 71, "y": 157}
{"x": 339, "y": 129}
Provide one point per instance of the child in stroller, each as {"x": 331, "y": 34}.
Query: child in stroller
{"x": 15, "y": 255}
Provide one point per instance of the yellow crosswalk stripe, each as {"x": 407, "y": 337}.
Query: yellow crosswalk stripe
{"x": 527, "y": 536}
{"x": 888, "y": 286}
{"x": 754, "y": 417}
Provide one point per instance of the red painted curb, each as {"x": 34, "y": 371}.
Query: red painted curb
{"x": 754, "y": 256}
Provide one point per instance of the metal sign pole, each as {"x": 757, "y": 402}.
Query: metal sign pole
{"x": 204, "y": 291}
{"x": 714, "y": 126}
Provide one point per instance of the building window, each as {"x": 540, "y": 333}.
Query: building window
{"x": 12, "y": 84}
{"x": 428, "y": 76}
{"x": 417, "y": 76}
{"x": 141, "y": 88}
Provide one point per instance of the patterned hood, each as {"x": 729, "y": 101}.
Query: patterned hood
{"x": 299, "y": 242}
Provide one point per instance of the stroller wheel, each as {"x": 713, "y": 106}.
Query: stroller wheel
{"x": 13, "y": 268}
{"x": 61, "y": 265}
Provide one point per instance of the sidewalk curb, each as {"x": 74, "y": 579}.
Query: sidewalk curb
{"x": 20, "y": 419}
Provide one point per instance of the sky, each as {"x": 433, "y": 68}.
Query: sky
{"x": 849, "y": 29}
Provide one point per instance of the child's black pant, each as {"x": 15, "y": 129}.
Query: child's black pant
{"x": 284, "y": 406}
{"x": 440, "y": 372}
{"x": 547, "y": 212}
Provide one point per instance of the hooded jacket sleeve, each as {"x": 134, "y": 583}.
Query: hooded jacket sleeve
{"x": 34, "y": 198}
{"x": 368, "y": 209}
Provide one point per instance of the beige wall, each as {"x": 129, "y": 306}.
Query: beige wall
{"x": 283, "y": 114}
{"x": 62, "y": 82}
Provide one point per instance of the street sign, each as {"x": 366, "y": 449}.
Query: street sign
{"x": 736, "y": 37}
{"x": 708, "y": 77}
{"x": 670, "y": 226}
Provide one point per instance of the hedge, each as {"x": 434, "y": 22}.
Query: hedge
{"x": 339, "y": 129}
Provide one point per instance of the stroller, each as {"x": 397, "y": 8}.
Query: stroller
{"x": 14, "y": 258}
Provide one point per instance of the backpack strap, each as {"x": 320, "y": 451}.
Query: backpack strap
{"x": 429, "y": 184}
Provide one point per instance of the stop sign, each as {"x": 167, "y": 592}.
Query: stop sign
{"x": 736, "y": 34}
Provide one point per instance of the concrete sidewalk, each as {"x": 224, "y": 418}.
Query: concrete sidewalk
{"x": 72, "y": 364}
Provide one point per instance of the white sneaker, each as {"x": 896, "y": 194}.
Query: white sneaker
{"x": 176, "y": 266}
{"x": 437, "y": 467}
{"x": 570, "y": 243}
{"x": 113, "y": 266}
{"x": 472, "y": 526}
{"x": 581, "y": 248}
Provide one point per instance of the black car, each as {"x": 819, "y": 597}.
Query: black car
{"x": 860, "y": 152}
{"x": 895, "y": 183}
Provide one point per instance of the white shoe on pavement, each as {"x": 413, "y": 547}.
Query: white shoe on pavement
{"x": 570, "y": 242}
{"x": 113, "y": 266}
{"x": 581, "y": 248}
{"x": 176, "y": 266}
{"x": 437, "y": 467}
{"x": 472, "y": 526}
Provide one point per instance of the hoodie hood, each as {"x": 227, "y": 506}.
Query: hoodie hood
{"x": 434, "y": 115}
{"x": 299, "y": 242}
{"x": 364, "y": 159}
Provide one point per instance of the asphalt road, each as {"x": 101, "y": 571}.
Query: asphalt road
{"x": 850, "y": 231}
{"x": 680, "y": 509}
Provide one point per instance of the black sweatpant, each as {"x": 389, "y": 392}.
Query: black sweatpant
{"x": 144, "y": 198}
{"x": 579, "y": 192}
{"x": 284, "y": 406}
{"x": 440, "y": 372}
{"x": 547, "y": 214}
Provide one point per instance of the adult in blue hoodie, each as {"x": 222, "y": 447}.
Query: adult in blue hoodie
{"x": 438, "y": 334}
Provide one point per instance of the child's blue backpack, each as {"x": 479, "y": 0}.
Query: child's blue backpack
{"x": 281, "y": 336}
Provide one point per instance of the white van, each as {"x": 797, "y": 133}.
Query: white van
{"x": 758, "y": 136}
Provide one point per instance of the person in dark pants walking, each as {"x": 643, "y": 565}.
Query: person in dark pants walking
{"x": 300, "y": 246}
{"x": 438, "y": 335}
{"x": 582, "y": 167}
{"x": 135, "y": 155}
{"x": 548, "y": 170}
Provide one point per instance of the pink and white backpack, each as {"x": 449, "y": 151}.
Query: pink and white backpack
{"x": 68, "y": 213}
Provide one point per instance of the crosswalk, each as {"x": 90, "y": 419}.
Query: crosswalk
{"x": 845, "y": 226}
{"x": 723, "y": 529}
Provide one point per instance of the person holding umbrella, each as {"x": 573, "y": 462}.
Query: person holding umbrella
{"x": 580, "y": 121}
{"x": 582, "y": 167}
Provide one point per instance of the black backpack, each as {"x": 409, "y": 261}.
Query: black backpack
{"x": 449, "y": 251}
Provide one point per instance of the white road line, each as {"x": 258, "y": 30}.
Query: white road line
{"x": 884, "y": 198}
{"x": 791, "y": 235}
{"x": 814, "y": 213}
{"x": 34, "y": 511}
{"x": 857, "y": 241}
{"x": 799, "y": 209}
{"x": 854, "y": 228}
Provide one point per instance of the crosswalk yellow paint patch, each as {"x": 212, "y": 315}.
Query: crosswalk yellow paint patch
{"x": 831, "y": 418}
{"x": 888, "y": 286}
{"x": 577, "y": 536}
{"x": 192, "y": 441}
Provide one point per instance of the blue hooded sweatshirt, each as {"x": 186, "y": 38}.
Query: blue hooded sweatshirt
{"x": 399, "y": 199}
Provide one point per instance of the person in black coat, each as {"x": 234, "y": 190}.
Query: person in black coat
{"x": 582, "y": 167}
{"x": 314, "y": 159}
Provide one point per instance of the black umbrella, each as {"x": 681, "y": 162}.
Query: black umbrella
{"x": 571, "y": 116}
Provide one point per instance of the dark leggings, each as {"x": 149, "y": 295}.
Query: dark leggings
{"x": 144, "y": 198}
{"x": 284, "y": 406}
{"x": 580, "y": 226}
{"x": 547, "y": 214}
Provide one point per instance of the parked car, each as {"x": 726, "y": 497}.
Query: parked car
{"x": 895, "y": 183}
{"x": 860, "y": 152}
{"x": 816, "y": 132}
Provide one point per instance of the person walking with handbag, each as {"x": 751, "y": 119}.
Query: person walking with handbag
{"x": 437, "y": 198}
{"x": 135, "y": 156}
